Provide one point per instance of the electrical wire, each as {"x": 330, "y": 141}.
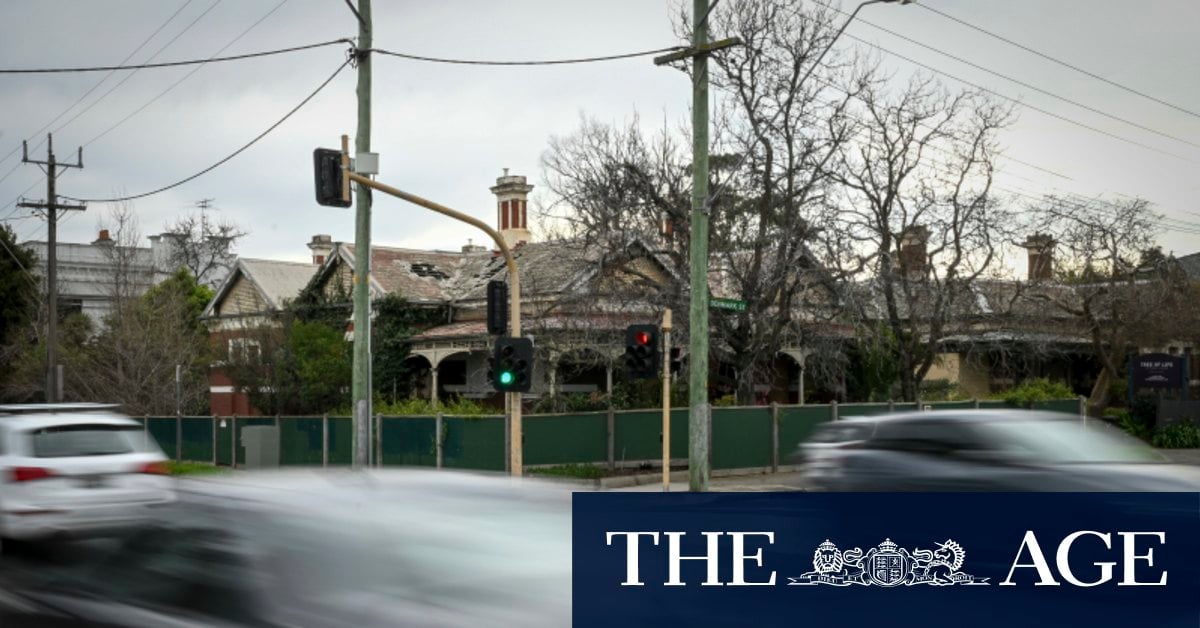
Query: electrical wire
{"x": 1058, "y": 61}
{"x": 170, "y": 64}
{"x": 101, "y": 81}
{"x": 1026, "y": 85}
{"x": 1017, "y": 101}
{"x": 225, "y": 159}
{"x": 186, "y": 76}
{"x": 628, "y": 55}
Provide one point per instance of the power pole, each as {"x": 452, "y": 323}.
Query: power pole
{"x": 51, "y": 208}
{"x": 361, "y": 383}
{"x": 700, "y": 416}
{"x": 699, "y": 413}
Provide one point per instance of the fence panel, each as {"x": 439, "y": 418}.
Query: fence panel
{"x": 300, "y": 441}
{"x": 474, "y": 443}
{"x": 566, "y": 438}
{"x": 848, "y": 410}
{"x": 197, "y": 438}
{"x": 162, "y": 430}
{"x": 224, "y": 441}
{"x": 741, "y": 437}
{"x": 993, "y": 404}
{"x": 409, "y": 440}
{"x": 796, "y": 425}
{"x": 341, "y": 440}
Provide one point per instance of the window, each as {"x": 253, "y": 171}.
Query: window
{"x": 245, "y": 350}
{"x": 931, "y": 437}
{"x": 86, "y": 440}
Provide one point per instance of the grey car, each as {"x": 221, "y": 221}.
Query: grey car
{"x": 306, "y": 548}
{"x": 986, "y": 450}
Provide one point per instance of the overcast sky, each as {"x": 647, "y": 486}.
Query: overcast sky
{"x": 446, "y": 131}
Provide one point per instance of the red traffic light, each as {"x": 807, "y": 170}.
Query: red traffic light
{"x": 642, "y": 338}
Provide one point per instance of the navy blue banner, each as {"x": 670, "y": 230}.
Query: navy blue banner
{"x": 886, "y": 560}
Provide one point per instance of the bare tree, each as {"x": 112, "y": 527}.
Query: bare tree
{"x": 916, "y": 227}
{"x": 129, "y": 271}
{"x": 777, "y": 136}
{"x": 203, "y": 246}
{"x": 1124, "y": 294}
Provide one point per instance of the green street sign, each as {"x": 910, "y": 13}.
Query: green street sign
{"x": 727, "y": 304}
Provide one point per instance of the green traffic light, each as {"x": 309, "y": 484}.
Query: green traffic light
{"x": 506, "y": 378}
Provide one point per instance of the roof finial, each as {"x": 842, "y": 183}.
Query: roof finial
{"x": 506, "y": 172}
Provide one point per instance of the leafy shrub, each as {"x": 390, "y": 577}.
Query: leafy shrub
{"x": 455, "y": 406}
{"x": 1178, "y": 435}
{"x": 1145, "y": 409}
{"x": 941, "y": 390}
{"x": 726, "y": 401}
{"x": 573, "y": 402}
{"x": 1034, "y": 390}
{"x": 1133, "y": 426}
{"x": 584, "y": 471}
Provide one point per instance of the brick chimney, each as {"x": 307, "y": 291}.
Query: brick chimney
{"x": 103, "y": 238}
{"x": 511, "y": 212}
{"x": 913, "y": 251}
{"x": 321, "y": 246}
{"x": 1041, "y": 256}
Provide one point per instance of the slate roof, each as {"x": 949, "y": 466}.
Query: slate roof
{"x": 420, "y": 276}
{"x": 1190, "y": 265}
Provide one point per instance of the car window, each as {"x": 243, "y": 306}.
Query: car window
{"x": 84, "y": 439}
{"x": 1057, "y": 441}
{"x": 927, "y": 436}
{"x": 842, "y": 432}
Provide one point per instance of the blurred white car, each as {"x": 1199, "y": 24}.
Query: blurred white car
{"x": 76, "y": 469}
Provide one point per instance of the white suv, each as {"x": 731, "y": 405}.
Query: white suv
{"x": 76, "y": 469}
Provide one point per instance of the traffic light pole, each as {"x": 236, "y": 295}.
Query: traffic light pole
{"x": 514, "y": 323}
{"x": 666, "y": 401}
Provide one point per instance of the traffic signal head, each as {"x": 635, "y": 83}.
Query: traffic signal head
{"x": 641, "y": 352}
{"x": 327, "y": 170}
{"x": 497, "y": 307}
{"x": 512, "y": 364}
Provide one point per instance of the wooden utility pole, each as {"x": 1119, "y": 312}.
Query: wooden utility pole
{"x": 51, "y": 207}
{"x": 361, "y": 389}
{"x": 699, "y": 411}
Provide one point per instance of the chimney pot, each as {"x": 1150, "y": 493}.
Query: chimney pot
{"x": 1041, "y": 256}
{"x": 512, "y": 193}
{"x": 321, "y": 247}
{"x": 913, "y": 251}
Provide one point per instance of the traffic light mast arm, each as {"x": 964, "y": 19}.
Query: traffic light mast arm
{"x": 514, "y": 322}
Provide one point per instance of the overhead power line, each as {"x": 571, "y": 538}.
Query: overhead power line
{"x": 1018, "y": 102}
{"x": 1030, "y": 86}
{"x": 170, "y": 64}
{"x": 188, "y": 75}
{"x": 225, "y": 159}
{"x": 1059, "y": 61}
{"x": 101, "y": 81}
{"x": 627, "y": 55}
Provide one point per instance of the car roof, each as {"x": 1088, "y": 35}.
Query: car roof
{"x": 39, "y": 420}
{"x": 50, "y": 408}
{"x": 974, "y": 416}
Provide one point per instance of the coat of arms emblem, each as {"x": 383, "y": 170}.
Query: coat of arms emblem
{"x": 888, "y": 565}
